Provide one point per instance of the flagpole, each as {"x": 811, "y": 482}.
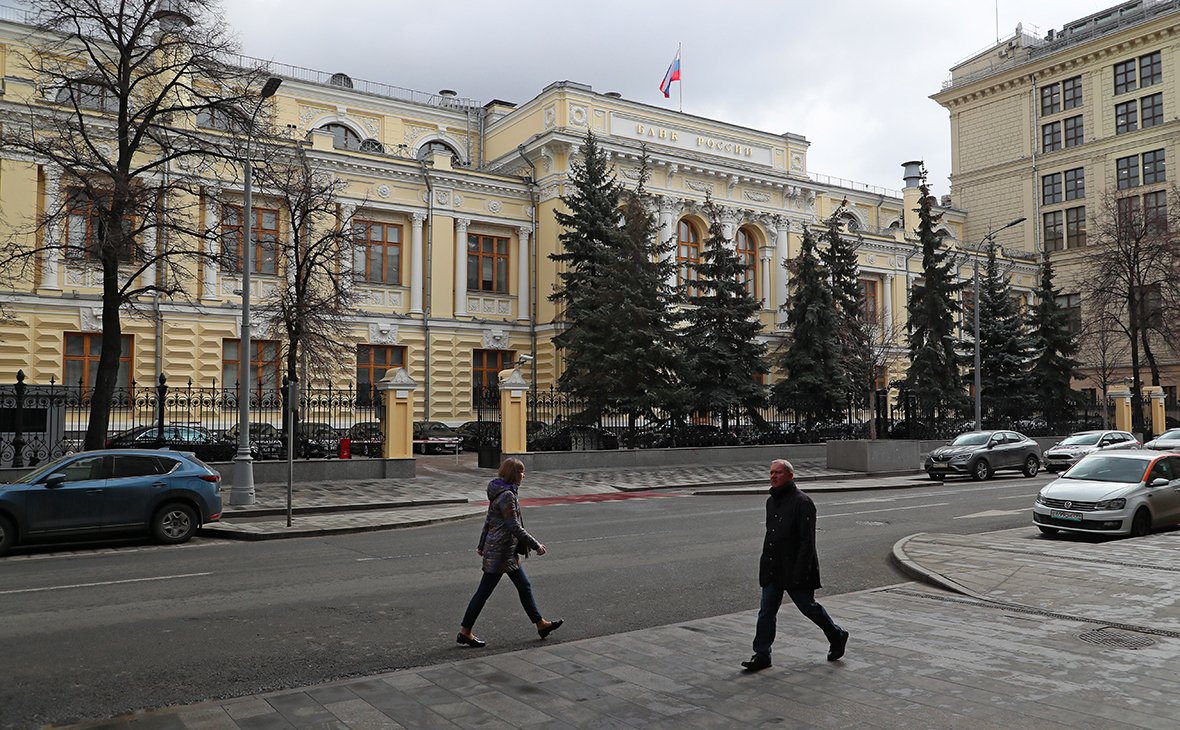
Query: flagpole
{"x": 681, "y": 79}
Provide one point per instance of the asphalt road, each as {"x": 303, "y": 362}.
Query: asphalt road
{"x": 92, "y": 634}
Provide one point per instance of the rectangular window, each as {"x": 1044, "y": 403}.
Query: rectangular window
{"x": 377, "y": 252}
{"x": 1149, "y": 305}
{"x": 1075, "y": 183}
{"x": 1153, "y": 167}
{"x": 1074, "y": 131}
{"x": 1127, "y": 172}
{"x": 748, "y": 257}
{"x": 868, "y": 297}
{"x": 86, "y": 229}
{"x": 1126, "y": 117}
{"x": 880, "y": 377}
{"x": 1075, "y": 227}
{"x": 967, "y": 323}
{"x": 486, "y": 366}
{"x": 372, "y": 362}
{"x": 1150, "y": 69}
{"x": 1051, "y": 137}
{"x": 1050, "y": 99}
{"x": 264, "y": 365}
{"x": 1128, "y": 218}
{"x": 1071, "y": 304}
{"x": 1054, "y": 231}
{"x": 487, "y": 264}
{"x": 1124, "y": 77}
{"x": 80, "y": 360}
{"x": 1051, "y": 188}
{"x": 1152, "y": 108}
{"x": 1155, "y": 213}
{"x": 1071, "y": 92}
{"x": 264, "y": 233}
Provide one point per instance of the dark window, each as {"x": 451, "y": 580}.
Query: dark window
{"x": 748, "y": 255}
{"x": 487, "y": 364}
{"x": 868, "y": 299}
{"x": 1054, "y": 231}
{"x": 1126, "y": 117}
{"x": 1150, "y": 69}
{"x": 264, "y": 233}
{"x": 487, "y": 264}
{"x": 1051, "y": 188}
{"x": 1149, "y": 304}
{"x": 86, "y": 229}
{"x": 1074, "y": 131}
{"x": 1075, "y": 227}
{"x": 343, "y": 138}
{"x": 377, "y": 252}
{"x": 1127, "y": 171}
{"x": 1155, "y": 213}
{"x": 1128, "y": 218}
{"x": 688, "y": 255}
{"x": 88, "y": 95}
{"x": 264, "y": 364}
{"x": 80, "y": 360}
{"x": 1124, "y": 77}
{"x": 1152, "y": 108}
{"x": 1050, "y": 99}
{"x": 372, "y": 362}
{"x": 1051, "y": 137}
{"x": 1153, "y": 167}
{"x": 1071, "y": 91}
{"x": 135, "y": 465}
{"x": 1075, "y": 183}
{"x": 1071, "y": 304}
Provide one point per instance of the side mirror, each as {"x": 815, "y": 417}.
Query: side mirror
{"x": 1159, "y": 482}
{"x": 53, "y": 481}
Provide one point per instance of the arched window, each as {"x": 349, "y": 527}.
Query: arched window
{"x": 688, "y": 255}
{"x": 345, "y": 138}
{"x": 748, "y": 255}
{"x": 435, "y": 145}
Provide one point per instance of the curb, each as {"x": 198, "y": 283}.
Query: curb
{"x": 331, "y": 508}
{"x": 922, "y": 575}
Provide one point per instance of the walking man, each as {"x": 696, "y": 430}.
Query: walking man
{"x": 789, "y": 564}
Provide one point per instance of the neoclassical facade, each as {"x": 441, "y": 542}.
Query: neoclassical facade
{"x": 454, "y": 202}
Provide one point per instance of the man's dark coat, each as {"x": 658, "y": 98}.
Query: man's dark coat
{"x": 789, "y": 560}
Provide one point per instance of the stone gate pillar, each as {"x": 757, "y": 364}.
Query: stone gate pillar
{"x": 398, "y": 425}
{"x": 513, "y": 412}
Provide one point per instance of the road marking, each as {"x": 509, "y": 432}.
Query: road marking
{"x": 888, "y": 509}
{"x": 993, "y": 513}
{"x": 103, "y": 583}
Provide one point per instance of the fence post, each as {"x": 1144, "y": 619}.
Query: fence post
{"x": 398, "y": 441}
{"x": 18, "y": 437}
{"x": 161, "y": 392}
{"x": 513, "y": 416}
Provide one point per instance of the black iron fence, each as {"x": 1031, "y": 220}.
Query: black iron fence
{"x": 41, "y": 422}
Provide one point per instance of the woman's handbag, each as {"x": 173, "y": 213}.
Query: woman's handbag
{"x": 522, "y": 547}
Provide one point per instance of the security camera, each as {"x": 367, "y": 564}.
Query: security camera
{"x": 526, "y": 358}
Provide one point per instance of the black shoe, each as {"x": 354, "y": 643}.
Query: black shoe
{"x": 470, "y": 641}
{"x": 757, "y": 662}
{"x": 836, "y": 650}
{"x": 553, "y": 626}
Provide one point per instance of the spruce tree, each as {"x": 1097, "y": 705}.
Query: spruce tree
{"x": 815, "y": 383}
{"x": 1052, "y": 343}
{"x": 1003, "y": 347}
{"x": 723, "y": 356}
{"x": 839, "y": 258}
{"x": 933, "y": 375}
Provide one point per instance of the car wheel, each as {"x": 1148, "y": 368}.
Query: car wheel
{"x": 982, "y": 470}
{"x": 174, "y": 523}
{"x": 1031, "y": 466}
{"x": 1141, "y": 523}
{"x": 7, "y": 535}
{"x": 1050, "y": 531}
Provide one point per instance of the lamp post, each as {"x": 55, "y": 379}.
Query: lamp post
{"x": 988, "y": 239}
{"x": 242, "y": 490}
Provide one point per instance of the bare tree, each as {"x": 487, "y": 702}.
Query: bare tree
{"x": 130, "y": 97}
{"x": 874, "y": 344}
{"x": 1133, "y": 276}
{"x": 1104, "y": 348}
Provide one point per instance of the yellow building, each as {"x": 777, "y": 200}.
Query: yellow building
{"x": 1055, "y": 127}
{"x": 451, "y": 276}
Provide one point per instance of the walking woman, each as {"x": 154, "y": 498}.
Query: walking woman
{"x": 501, "y": 544}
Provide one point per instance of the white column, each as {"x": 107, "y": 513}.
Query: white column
{"x": 765, "y": 257}
{"x": 523, "y": 310}
{"x": 416, "y": 262}
{"x": 148, "y": 277}
{"x": 461, "y": 265}
{"x": 782, "y": 282}
{"x": 667, "y": 230}
{"x": 212, "y": 247}
{"x": 51, "y": 257}
{"x": 887, "y": 312}
{"x": 349, "y": 250}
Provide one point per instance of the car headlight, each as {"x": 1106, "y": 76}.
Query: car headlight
{"x": 960, "y": 459}
{"x": 1111, "y": 504}
{"x": 1040, "y": 498}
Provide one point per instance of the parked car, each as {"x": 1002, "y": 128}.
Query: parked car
{"x": 979, "y": 454}
{"x": 472, "y": 433}
{"x": 266, "y": 441}
{"x": 316, "y": 441}
{"x": 366, "y": 439}
{"x": 1167, "y": 441}
{"x": 572, "y": 437}
{"x": 1113, "y": 493}
{"x": 435, "y": 436}
{"x": 1071, "y": 449}
{"x": 167, "y": 494}
{"x": 178, "y": 436}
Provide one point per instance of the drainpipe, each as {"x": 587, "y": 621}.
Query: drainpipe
{"x": 1036, "y": 188}
{"x": 532, "y": 183}
{"x": 426, "y": 308}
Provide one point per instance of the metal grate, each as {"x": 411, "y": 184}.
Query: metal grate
{"x": 1116, "y": 638}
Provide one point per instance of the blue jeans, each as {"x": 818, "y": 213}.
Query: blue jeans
{"x": 804, "y": 599}
{"x": 488, "y": 584}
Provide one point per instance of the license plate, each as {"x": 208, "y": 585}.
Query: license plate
{"x": 940, "y": 466}
{"x": 1058, "y": 514}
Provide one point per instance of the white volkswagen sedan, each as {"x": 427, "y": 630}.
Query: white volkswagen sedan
{"x": 1113, "y": 493}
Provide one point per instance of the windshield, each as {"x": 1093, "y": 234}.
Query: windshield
{"x": 1109, "y": 469}
{"x": 1173, "y": 434}
{"x": 1082, "y": 439}
{"x": 972, "y": 439}
{"x": 49, "y": 468}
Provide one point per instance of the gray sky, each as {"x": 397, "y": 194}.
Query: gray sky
{"x": 852, "y": 76}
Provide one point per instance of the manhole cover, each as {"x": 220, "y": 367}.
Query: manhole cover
{"x": 1116, "y": 638}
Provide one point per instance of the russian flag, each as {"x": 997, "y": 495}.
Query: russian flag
{"x": 672, "y": 75}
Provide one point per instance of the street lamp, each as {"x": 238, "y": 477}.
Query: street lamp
{"x": 988, "y": 239}
{"x": 242, "y": 490}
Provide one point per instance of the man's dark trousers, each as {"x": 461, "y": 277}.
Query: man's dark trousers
{"x": 804, "y": 600}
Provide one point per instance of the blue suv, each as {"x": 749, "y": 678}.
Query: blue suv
{"x": 167, "y": 494}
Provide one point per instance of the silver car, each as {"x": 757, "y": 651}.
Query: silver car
{"x": 1072, "y": 448}
{"x": 1167, "y": 441}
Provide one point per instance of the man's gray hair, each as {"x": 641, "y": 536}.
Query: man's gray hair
{"x": 786, "y": 465}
